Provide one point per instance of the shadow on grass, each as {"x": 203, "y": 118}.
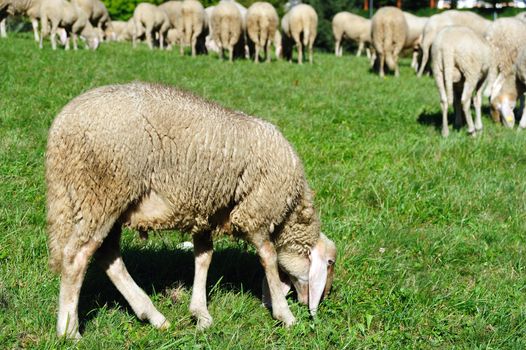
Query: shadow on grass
{"x": 156, "y": 270}
{"x": 435, "y": 118}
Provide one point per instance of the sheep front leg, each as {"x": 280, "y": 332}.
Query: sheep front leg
{"x": 34, "y": 23}
{"x": 360, "y": 49}
{"x": 74, "y": 266}
{"x": 203, "y": 249}
{"x": 3, "y": 32}
{"x": 256, "y": 54}
{"x": 110, "y": 260}
{"x": 382, "y": 63}
{"x": 269, "y": 260}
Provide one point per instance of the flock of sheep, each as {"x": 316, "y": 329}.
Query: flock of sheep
{"x": 469, "y": 55}
{"x": 227, "y": 26}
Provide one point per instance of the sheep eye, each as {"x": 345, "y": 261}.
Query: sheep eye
{"x": 330, "y": 262}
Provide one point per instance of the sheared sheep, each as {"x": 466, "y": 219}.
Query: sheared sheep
{"x": 262, "y": 24}
{"x": 388, "y": 34}
{"x": 448, "y": 18}
{"x": 152, "y": 20}
{"x": 355, "y": 28}
{"x": 154, "y": 157}
{"x": 415, "y": 26}
{"x": 61, "y": 13}
{"x": 507, "y": 37}
{"x": 227, "y": 27}
{"x": 461, "y": 62}
{"x": 300, "y": 22}
{"x": 193, "y": 25}
{"x": 29, "y": 8}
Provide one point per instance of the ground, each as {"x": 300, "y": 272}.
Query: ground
{"x": 430, "y": 231}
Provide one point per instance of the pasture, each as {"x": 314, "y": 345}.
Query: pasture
{"x": 431, "y": 232}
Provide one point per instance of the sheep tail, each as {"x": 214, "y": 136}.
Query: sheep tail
{"x": 306, "y": 34}
{"x": 263, "y": 33}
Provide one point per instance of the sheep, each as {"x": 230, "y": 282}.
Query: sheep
{"x": 29, "y": 8}
{"x": 68, "y": 16}
{"x": 211, "y": 45}
{"x": 173, "y": 10}
{"x": 97, "y": 13}
{"x": 172, "y": 38}
{"x": 193, "y": 16}
{"x": 447, "y": 18}
{"x": 300, "y": 20}
{"x": 461, "y": 60}
{"x": 388, "y": 33}
{"x": 152, "y": 20}
{"x": 413, "y": 40}
{"x": 262, "y": 24}
{"x": 507, "y": 36}
{"x": 227, "y": 27}
{"x": 354, "y": 27}
{"x": 154, "y": 157}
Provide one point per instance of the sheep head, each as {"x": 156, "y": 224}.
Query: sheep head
{"x": 503, "y": 99}
{"x": 311, "y": 275}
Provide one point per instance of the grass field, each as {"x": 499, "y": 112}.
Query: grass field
{"x": 431, "y": 232}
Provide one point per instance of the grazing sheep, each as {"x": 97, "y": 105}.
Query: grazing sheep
{"x": 262, "y": 24}
{"x": 507, "y": 37}
{"x": 388, "y": 33}
{"x": 173, "y": 10}
{"x": 211, "y": 45}
{"x": 29, "y": 8}
{"x": 448, "y": 18}
{"x": 461, "y": 62}
{"x": 355, "y": 28}
{"x": 227, "y": 27}
{"x": 413, "y": 40}
{"x": 172, "y": 38}
{"x": 152, "y": 20}
{"x": 61, "y": 13}
{"x": 300, "y": 20}
{"x": 97, "y": 13}
{"x": 193, "y": 24}
{"x": 153, "y": 157}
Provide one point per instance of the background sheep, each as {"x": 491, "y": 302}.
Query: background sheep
{"x": 176, "y": 161}
{"x": 173, "y": 10}
{"x": 300, "y": 20}
{"x": 193, "y": 24}
{"x": 388, "y": 33}
{"x": 150, "y": 19}
{"x": 68, "y": 16}
{"x": 211, "y": 45}
{"x": 448, "y": 18}
{"x": 507, "y": 36}
{"x": 415, "y": 26}
{"x": 29, "y": 8}
{"x": 461, "y": 62}
{"x": 262, "y": 24}
{"x": 227, "y": 27}
{"x": 346, "y": 25}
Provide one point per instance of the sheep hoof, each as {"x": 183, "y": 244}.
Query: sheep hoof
{"x": 204, "y": 322}
{"x": 287, "y": 319}
{"x": 166, "y": 324}
{"x": 445, "y": 132}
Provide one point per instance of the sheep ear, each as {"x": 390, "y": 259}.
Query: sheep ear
{"x": 317, "y": 277}
{"x": 265, "y": 291}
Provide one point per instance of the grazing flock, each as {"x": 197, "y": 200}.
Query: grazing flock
{"x": 468, "y": 56}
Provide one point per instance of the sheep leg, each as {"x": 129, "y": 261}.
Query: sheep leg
{"x": 425, "y": 58}
{"x": 231, "y": 53}
{"x": 443, "y": 105}
{"x": 522, "y": 123}
{"x": 194, "y": 44}
{"x": 74, "y": 266}
{"x": 203, "y": 248}
{"x": 466, "y": 106}
{"x": 54, "y": 28}
{"x": 34, "y": 23}
{"x": 149, "y": 38}
{"x": 161, "y": 40}
{"x": 360, "y": 49}
{"x": 269, "y": 260}
{"x": 110, "y": 260}
{"x": 311, "y": 51}
{"x": 256, "y": 58}
{"x": 337, "y": 47}
{"x": 477, "y": 102}
{"x": 457, "y": 107}
{"x": 382, "y": 62}
{"x": 3, "y": 33}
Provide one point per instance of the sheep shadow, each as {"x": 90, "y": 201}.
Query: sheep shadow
{"x": 434, "y": 119}
{"x": 157, "y": 270}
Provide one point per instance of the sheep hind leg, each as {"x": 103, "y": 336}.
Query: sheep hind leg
{"x": 269, "y": 260}
{"x": 74, "y": 266}
{"x": 477, "y": 102}
{"x": 110, "y": 260}
{"x": 466, "y": 107}
{"x": 203, "y": 249}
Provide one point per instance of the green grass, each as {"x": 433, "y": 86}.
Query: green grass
{"x": 430, "y": 231}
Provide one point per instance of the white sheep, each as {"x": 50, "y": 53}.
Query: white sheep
{"x": 211, "y": 45}
{"x": 346, "y": 25}
{"x": 61, "y": 13}
{"x": 461, "y": 60}
{"x": 262, "y": 24}
{"x": 153, "y": 157}
{"x": 300, "y": 22}
{"x": 173, "y": 10}
{"x": 29, "y": 8}
{"x": 415, "y": 26}
{"x": 448, "y": 18}
{"x": 193, "y": 24}
{"x": 97, "y": 13}
{"x": 227, "y": 27}
{"x": 388, "y": 34}
{"x": 507, "y": 37}
{"x": 152, "y": 20}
